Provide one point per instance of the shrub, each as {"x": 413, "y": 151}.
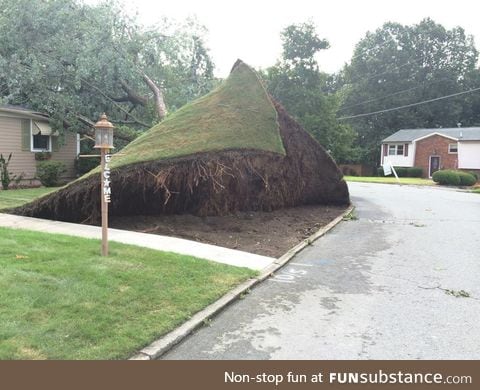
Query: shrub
{"x": 48, "y": 172}
{"x": 401, "y": 171}
{"x": 454, "y": 178}
{"x": 466, "y": 179}
{"x": 475, "y": 174}
{"x": 6, "y": 176}
{"x": 42, "y": 156}
{"x": 414, "y": 172}
{"x": 446, "y": 177}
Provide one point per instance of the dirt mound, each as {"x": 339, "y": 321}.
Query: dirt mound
{"x": 208, "y": 183}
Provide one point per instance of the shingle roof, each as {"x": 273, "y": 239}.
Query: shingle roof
{"x": 460, "y": 133}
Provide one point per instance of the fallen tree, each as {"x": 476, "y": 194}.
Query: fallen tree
{"x": 234, "y": 149}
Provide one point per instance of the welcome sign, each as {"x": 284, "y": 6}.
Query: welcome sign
{"x": 107, "y": 191}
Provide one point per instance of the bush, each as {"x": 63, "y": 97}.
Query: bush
{"x": 447, "y": 177}
{"x": 474, "y": 174}
{"x": 42, "y": 156}
{"x": 467, "y": 179}
{"x": 454, "y": 178}
{"x": 48, "y": 172}
{"x": 6, "y": 177}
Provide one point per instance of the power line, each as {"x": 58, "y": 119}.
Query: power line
{"x": 410, "y": 105}
{"x": 395, "y": 93}
{"x": 384, "y": 72}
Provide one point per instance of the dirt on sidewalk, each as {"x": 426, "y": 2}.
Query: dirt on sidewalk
{"x": 263, "y": 233}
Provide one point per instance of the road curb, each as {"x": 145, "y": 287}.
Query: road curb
{"x": 168, "y": 341}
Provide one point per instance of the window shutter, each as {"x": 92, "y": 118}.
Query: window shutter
{"x": 405, "y": 150}
{"x": 26, "y": 136}
{"x": 55, "y": 144}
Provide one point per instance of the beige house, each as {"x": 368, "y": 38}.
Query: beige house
{"x": 27, "y": 134}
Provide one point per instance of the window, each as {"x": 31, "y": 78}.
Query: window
{"x": 452, "y": 148}
{"x": 41, "y": 143}
{"x": 41, "y": 140}
{"x": 396, "y": 150}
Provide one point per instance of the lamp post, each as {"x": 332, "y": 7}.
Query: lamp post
{"x": 104, "y": 142}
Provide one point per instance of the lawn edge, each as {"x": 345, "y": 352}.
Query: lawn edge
{"x": 162, "y": 345}
{"x": 392, "y": 183}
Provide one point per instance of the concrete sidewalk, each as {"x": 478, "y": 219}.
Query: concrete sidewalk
{"x": 153, "y": 241}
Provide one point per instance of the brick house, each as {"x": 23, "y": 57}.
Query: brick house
{"x": 433, "y": 149}
{"x": 25, "y": 134}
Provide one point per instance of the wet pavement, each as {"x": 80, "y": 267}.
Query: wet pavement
{"x": 399, "y": 282}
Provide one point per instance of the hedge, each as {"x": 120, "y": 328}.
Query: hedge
{"x": 467, "y": 179}
{"x": 454, "y": 178}
{"x": 404, "y": 171}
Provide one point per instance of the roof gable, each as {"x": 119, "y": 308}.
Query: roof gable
{"x": 436, "y": 134}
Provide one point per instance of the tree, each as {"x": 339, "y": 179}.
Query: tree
{"x": 298, "y": 84}
{"x": 399, "y": 65}
{"x": 74, "y": 61}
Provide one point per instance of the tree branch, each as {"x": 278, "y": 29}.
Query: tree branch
{"x": 132, "y": 96}
{"x": 158, "y": 95}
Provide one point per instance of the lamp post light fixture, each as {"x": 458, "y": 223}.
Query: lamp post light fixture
{"x": 104, "y": 142}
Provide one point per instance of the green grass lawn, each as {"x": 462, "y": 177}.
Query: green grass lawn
{"x": 391, "y": 180}
{"x": 476, "y": 191}
{"x": 236, "y": 115}
{"x": 61, "y": 300}
{"x": 14, "y": 198}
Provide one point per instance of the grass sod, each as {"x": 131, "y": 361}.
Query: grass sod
{"x": 391, "y": 180}
{"x": 14, "y": 198}
{"x": 61, "y": 300}
{"x": 236, "y": 115}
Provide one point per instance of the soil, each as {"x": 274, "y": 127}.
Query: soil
{"x": 264, "y": 233}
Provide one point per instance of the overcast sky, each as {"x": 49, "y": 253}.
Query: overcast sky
{"x": 250, "y": 29}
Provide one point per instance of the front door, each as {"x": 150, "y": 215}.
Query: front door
{"x": 434, "y": 165}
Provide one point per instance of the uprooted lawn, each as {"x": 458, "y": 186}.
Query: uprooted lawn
{"x": 238, "y": 114}
{"x": 61, "y": 300}
{"x": 15, "y": 198}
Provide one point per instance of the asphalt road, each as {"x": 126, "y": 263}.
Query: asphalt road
{"x": 380, "y": 287}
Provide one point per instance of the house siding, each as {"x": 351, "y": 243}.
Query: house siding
{"x": 67, "y": 154}
{"x": 23, "y": 162}
{"x": 407, "y": 160}
{"x": 435, "y": 145}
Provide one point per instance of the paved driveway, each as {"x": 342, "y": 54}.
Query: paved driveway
{"x": 380, "y": 287}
